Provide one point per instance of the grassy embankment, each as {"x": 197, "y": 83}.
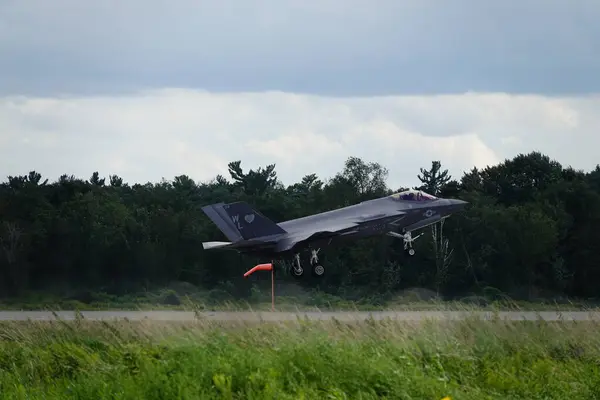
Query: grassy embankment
{"x": 289, "y": 297}
{"x": 301, "y": 360}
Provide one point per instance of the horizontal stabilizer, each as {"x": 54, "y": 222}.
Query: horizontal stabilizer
{"x": 215, "y": 245}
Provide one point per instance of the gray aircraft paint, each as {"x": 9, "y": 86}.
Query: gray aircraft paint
{"x": 249, "y": 231}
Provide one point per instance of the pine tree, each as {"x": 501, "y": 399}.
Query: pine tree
{"x": 433, "y": 180}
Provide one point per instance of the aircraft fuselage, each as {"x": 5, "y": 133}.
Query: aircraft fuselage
{"x": 397, "y": 215}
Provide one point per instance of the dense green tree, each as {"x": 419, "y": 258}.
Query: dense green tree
{"x": 529, "y": 231}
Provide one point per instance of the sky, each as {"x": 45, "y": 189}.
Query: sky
{"x": 153, "y": 89}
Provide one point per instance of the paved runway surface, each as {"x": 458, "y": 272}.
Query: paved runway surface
{"x": 182, "y": 316}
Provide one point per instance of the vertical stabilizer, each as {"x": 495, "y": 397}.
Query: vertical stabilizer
{"x": 249, "y": 222}
{"x": 221, "y": 219}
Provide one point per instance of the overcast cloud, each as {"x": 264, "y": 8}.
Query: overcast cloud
{"x": 156, "y": 88}
{"x": 336, "y": 47}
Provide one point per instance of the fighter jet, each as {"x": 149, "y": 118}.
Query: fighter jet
{"x": 397, "y": 215}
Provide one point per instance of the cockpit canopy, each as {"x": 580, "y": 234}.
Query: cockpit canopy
{"x": 412, "y": 195}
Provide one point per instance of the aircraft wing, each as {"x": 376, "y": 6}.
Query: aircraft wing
{"x": 331, "y": 231}
{"x": 335, "y": 229}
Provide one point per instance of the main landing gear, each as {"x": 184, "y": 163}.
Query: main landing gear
{"x": 317, "y": 269}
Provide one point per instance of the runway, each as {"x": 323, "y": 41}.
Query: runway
{"x": 266, "y": 316}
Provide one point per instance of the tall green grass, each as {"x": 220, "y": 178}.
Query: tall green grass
{"x": 301, "y": 360}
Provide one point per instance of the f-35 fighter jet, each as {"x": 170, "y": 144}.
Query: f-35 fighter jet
{"x": 397, "y": 215}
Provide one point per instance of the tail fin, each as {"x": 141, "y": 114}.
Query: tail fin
{"x": 221, "y": 219}
{"x": 251, "y": 223}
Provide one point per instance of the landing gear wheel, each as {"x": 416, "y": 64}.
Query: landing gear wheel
{"x": 297, "y": 269}
{"x": 411, "y": 252}
{"x": 318, "y": 270}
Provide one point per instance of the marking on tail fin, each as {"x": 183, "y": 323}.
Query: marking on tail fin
{"x": 249, "y": 218}
{"x": 236, "y": 222}
{"x": 250, "y": 223}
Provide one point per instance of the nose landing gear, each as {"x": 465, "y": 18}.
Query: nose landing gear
{"x": 408, "y": 240}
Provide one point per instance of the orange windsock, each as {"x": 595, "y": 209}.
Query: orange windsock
{"x": 259, "y": 267}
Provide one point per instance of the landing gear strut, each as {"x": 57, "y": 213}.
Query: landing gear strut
{"x": 317, "y": 269}
{"x": 297, "y": 269}
{"x": 408, "y": 239}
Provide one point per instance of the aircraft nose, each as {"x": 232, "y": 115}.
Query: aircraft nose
{"x": 458, "y": 204}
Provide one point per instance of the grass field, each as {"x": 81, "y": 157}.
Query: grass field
{"x": 301, "y": 360}
{"x": 289, "y": 297}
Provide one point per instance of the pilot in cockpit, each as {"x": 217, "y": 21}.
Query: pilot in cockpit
{"x": 413, "y": 195}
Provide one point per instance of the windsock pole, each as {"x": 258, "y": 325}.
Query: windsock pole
{"x": 265, "y": 267}
{"x": 272, "y": 287}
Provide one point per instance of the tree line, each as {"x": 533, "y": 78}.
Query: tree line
{"x": 529, "y": 231}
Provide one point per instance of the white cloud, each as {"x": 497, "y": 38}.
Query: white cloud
{"x": 164, "y": 133}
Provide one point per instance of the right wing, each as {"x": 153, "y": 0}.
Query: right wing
{"x": 329, "y": 231}
{"x": 333, "y": 231}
